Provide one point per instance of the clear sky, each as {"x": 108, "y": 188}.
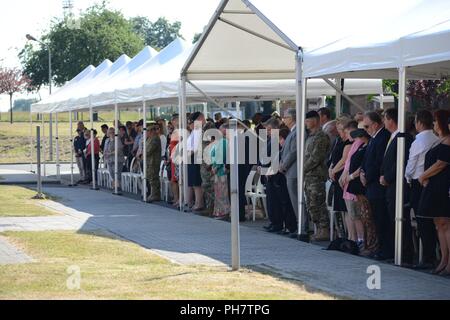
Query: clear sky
{"x": 19, "y": 17}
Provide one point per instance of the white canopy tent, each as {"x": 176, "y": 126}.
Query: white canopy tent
{"x": 418, "y": 40}
{"x": 418, "y": 49}
{"x": 44, "y": 107}
{"x": 155, "y": 78}
{"x": 263, "y": 39}
{"x": 150, "y": 78}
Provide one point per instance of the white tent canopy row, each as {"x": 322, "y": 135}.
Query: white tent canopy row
{"x": 265, "y": 39}
{"x": 155, "y": 78}
{"x": 418, "y": 40}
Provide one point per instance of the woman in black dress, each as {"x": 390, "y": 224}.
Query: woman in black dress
{"x": 435, "y": 198}
{"x": 336, "y": 167}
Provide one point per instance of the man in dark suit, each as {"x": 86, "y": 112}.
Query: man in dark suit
{"x": 279, "y": 206}
{"x": 244, "y": 169}
{"x": 388, "y": 179}
{"x": 370, "y": 177}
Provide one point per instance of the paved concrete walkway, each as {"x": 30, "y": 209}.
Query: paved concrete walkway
{"x": 191, "y": 239}
{"x": 9, "y": 254}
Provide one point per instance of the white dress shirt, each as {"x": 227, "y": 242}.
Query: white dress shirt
{"x": 194, "y": 140}
{"x": 163, "y": 144}
{"x": 425, "y": 140}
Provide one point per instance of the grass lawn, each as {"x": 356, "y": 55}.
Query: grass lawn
{"x": 115, "y": 269}
{"x": 16, "y": 202}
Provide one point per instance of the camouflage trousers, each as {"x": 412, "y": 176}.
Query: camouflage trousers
{"x": 316, "y": 202}
{"x": 208, "y": 188}
{"x": 154, "y": 182}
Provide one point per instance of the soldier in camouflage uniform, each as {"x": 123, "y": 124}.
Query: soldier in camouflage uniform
{"x": 316, "y": 150}
{"x": 153, "y": 163}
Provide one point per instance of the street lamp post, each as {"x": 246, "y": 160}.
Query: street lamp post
{"x": 31, "y": 38}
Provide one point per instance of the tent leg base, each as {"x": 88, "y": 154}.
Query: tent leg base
{"x": 303, "y": 238}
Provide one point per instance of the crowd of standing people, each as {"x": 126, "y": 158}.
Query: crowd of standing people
{"x": 349, "y": 172}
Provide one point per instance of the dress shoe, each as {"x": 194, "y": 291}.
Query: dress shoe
{"x": 293, "y": 235}
{"x": 424, "y": 266}
{"x": 377, "y": 256}
{"x": 268, "y": 227}
{"x": 275, "y": 229}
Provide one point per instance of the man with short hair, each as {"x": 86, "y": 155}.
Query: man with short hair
{"x": 80, "y": 126}
{"x": 389, "y": 180}
{"x": 370, "y": 176}
{"x": 217, "y": 118}
{"x": 104, "y": 128}
{"x": 288, "y": 163}
{"x": 79, "y": 144}
{"x": 153, "y": 151}
{"x": 138, "y": 145}
{"x": 328, "y": 125}
{"x": 279, "y": 206}
{"x": 425, "y": 140}
{"x": 316, "y": 172}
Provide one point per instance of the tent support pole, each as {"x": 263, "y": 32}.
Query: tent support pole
{"x": 205, "y": 110}
{"x": 50, "y": 137}
{"x": 353, "y": 102}
{"x": 58, "y": 165}
{"x": 92, "y": 142}
{"x": 43, "y": 145}
{"x": 31, "y": 141}
{"x": 400, "y": 167}
{"x": 258, "y": 35}
{"x": 144, "y": 151}
{"x": 183, "y": 136}
{"x": 338, "y": 99}
{"x": 234, "y": 196}
{"x": 300, "y": 121}
{"x": 116, "y": 148}
{"x": 71, "y": 149}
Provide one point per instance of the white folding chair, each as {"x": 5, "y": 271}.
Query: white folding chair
{"x": 249, "y": 187}
{"x": 258, "y": 194}
{"x": 164, "y": 181}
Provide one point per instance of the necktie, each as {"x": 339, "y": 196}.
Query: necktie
{"x": 388, "y": 144}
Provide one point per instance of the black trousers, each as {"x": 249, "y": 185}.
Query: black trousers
{"x": 425, "y": 226}
{"x": 279, "y": 206}
{"x": 407, "y": 242}
{"x": 384, "y": 229}
{"x": 244, "y": 170}
{"x": 89, "y": 167}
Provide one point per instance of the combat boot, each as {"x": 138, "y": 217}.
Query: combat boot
{"x": 322, "y": 234}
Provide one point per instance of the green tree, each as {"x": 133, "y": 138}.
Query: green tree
{"x": 100, "y": 34}
{"x": 156, "y": 34}
{"x": 196, "y": 37}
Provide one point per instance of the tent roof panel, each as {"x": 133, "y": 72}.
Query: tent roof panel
{"x": 418, "y": 40}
